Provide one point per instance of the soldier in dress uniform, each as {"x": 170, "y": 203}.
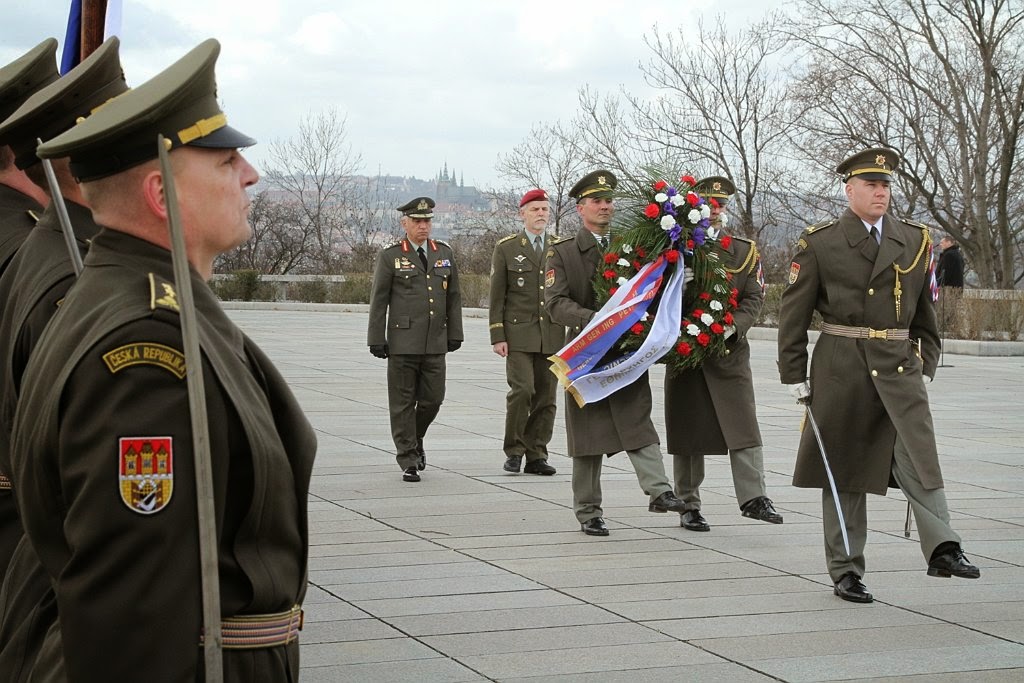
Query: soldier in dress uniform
{"x": 717, "y": 399}
{"x": 867, "y": 274}
{"x": 32, "y": 288}
{"x": 21, "y": 200}
{"x": 102, "y": 442}
{"x": 622, "y": 421}
{"x": 524, "y": 335}
{"x": 415, "y": 319}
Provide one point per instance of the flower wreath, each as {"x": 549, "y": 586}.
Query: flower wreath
{"x": 674, "y": 221}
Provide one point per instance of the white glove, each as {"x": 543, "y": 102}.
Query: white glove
{"x": 801, "y": 391}
{"x": 687, "y": 274}
{"x": 729, "y": 331}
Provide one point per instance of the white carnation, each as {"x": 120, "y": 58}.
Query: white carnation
{"x": 715, "y": 305}
{"x": 621, "y": 281}
{"x": 667, "y": 222}
{"x": 645, "y": 317}
{"x": 661, "y": 197}
{"x": 622, "y": 262}
{"x": 626, "y": 249}
{"x": 720, "y": 289}
{"x": 678, "y": 199}
{"x": 705, "y": 211}
{"x": 712, "y": 234}
{"x": 723, "y": 219}
{"x": 707, "y": 318}
{"x": 693, "y": 216}
{"x": 692, "y": 330}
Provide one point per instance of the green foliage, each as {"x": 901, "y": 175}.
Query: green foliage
{"x": 354, "y": 290}
{"x": 313, "y": 291}
{"x": 244, "y": 285}
{"x": 476, "y": 290}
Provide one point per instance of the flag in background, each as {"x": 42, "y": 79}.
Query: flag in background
{"x": 90, "y": 22}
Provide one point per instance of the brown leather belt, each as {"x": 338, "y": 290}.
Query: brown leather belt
{"x": 254, "y": 631}
{"x": 864, "y": 332}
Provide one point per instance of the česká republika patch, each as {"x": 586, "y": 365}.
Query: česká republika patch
{"x": 146, "y": 353}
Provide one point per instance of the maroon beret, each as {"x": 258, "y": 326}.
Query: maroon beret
{"x": 533, "y": 196}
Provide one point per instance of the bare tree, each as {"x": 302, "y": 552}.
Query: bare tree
{"x": 940, "y": 81}
{"x": 278, "y": 244}
{"x": 313, "y": 170}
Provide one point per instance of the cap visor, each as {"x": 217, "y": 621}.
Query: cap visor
{"x": 225, "y": 137}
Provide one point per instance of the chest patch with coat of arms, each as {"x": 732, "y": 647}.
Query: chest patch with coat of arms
{"x": 145, "y": 467}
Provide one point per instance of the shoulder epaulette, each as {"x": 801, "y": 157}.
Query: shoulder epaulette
{"x": 162, "y": 294}
{"x": 559, "y": 240}
{"x": 745, "y": 239}
{"x": 915, "y": 224}
{"x": 506, "y": 239}
{"x": 443, "y": 242}
{"x": 820, "y": 226}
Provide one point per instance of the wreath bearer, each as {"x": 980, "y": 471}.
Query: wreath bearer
{"x": 622, "y": 421}
{"x": 710, "y": 409}
{"x": 867, "y": 274}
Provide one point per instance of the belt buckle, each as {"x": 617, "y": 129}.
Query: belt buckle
{"x": 877, "y": 334}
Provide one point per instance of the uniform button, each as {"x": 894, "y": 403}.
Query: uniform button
{"x": 428, "y": 277}
{"x": 431, "y": 301}
{"x": 431, "y": 313}
{"x": 542, "y": 318}
{"x": 542, "y": 286}
{"x": 728, "y": 351}
{"x": 871, "y": 292}
{"x": 430, "y": 289}
{"x": 899, "y": 369}
{"x": 874, "y": 373}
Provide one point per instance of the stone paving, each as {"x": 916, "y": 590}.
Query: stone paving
{"x": 475, "y": 574}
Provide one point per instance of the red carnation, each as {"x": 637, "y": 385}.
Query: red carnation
{"x": 727, "y": 318}
{"x": 689, "y": 244}
{"x": 703, "y": 339}
{"x": 636, "y": 265}
{"x": 640, "y": 252}
{"x": 684, "y": 349}
{"x": 728, "y": 277}
{"x": 692, "y": 199}
{"x": 704, "y": 296}
{"x": 672, "y": 255}
{"x": 611, "y": 258}
{"x": 697, "y": 313}
{"x": 652, "y": 211}
{"x": 688, "y": 179}
{"x": 717, "y": 329}
{"x": 733, "y": 303}
{"x": 609, "y": 274}
{"x": 734, "y": 293}
{"x": 714, "y": 203}
{"x": 637, "y": 329}
{"x": 611, "y": 292}
{"x": 660, "y": 185}
{"x": 726, "y": 240}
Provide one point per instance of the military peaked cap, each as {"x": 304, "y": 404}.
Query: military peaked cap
{"x": 876, "y": 163}
{"x": 26, "y": 74}
{"x": 180, "y": 102}
{"x": 717, "y": 187}
{"x": 421, "y": 207}
{"x": 57, "y": 107}
{"x": 537, "y": 195}
{"x": 600, "y": 183}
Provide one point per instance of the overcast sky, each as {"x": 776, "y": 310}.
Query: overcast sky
{"x": 421, "y": 83}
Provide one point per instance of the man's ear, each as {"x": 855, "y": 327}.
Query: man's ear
{"x": 153, "y": 193}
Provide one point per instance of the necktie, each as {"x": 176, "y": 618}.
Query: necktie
{"x": 538, "y": 244}
{"x": 871, "y": 249}
{"x": 423, "y": 257}
{"x": 600, "y": 241}
{"x": 877, "y": 236}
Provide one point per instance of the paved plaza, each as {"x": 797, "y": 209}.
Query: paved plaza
{"x": 475, "y": 574}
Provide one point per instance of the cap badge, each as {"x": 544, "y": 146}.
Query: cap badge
{"x": 880, "y": 160}
{"x": 601, "y": 180}
{"x": 716, "y": 187}
{"x": 422, "y": 205}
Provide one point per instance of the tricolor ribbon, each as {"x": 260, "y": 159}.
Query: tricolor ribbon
{"x": 575, "y": 365}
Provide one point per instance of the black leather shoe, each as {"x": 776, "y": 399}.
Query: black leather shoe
{"x": 594, "y": 527}
{"x": 539, "y": 466}
{"x": 761, "y": 508}
{"x": 665, "y": 502}
{"x": 421, "y": 464}
{"x": 950, "y": 561}
{"x": 411, "y": 474}
{"x": 513, "y": 463}
{"x": 850, "y": 588}
{"x": 694, "y": 521}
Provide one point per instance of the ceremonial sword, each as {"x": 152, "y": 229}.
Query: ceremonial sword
{"x": 208, "y": 556}
{"x": 57, "y": 199}
{"x": 828, "y": 472}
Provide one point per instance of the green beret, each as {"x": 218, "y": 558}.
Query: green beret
{"x": 715, "y": 186}
{"x": 421, "y": 207}
{"x": 876, "y": 163}
{"x": 57, "y": 107}
{"x": 180, "y": 102}
{"x": 597, "y": 184}
{"x": 26, "y": 74}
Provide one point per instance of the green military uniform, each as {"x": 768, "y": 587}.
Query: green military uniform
{"x": 416, "y": 311}
{"x": 32, "y": 288}
{"x": 620, "y": 422}
{"x": 518, "y": 317}
{"x": 102, "y": 441}
{"x": 18, "y": 214}
{"x": 717, "y": 399}
{"x": 867, "y": 394}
